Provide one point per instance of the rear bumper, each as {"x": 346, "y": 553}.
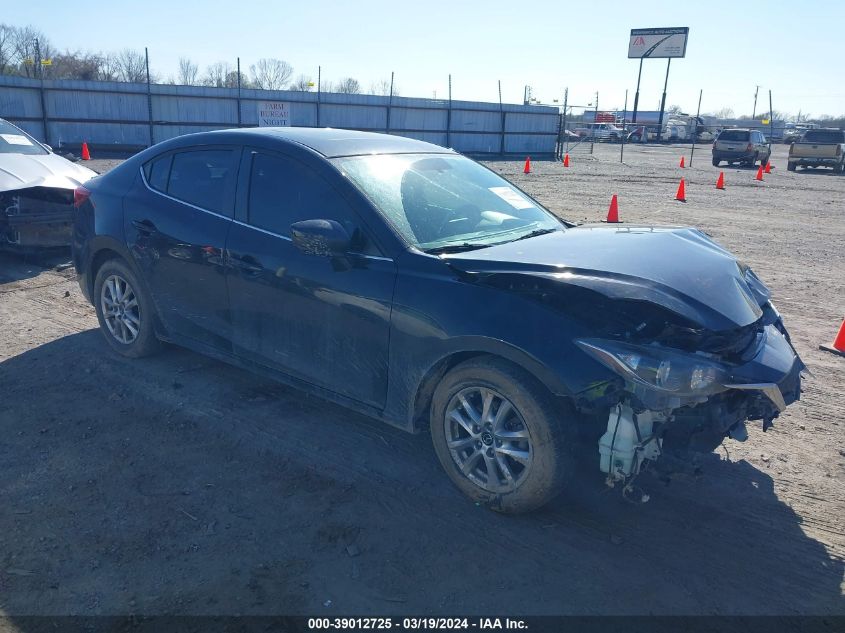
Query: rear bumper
{"x": 823, "y": 162}
{"x": 732, "y": 156}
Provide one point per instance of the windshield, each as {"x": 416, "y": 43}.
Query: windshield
{"x": 15, "y": 141}
{"x": 438, "y": 201}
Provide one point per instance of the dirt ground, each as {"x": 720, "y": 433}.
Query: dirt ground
{"x": 180, "y": 485}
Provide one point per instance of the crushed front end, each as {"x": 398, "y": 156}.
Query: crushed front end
{"x": 687, "y": 390}
{"x": 35, "y": 217}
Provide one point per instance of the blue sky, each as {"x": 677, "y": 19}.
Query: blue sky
{"x": 792, "y": 48}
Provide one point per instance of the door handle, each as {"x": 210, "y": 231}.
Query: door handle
{"x": 144, "y": 226}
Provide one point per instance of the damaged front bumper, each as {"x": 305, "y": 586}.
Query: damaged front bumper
{"x": 35, "y": 217}
{"x": 679, "y": 401}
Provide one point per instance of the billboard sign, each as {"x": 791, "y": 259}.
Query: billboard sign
{"x": 273, "y": 114}
{"x": 657, "y": 43}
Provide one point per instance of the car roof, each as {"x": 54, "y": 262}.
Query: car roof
{"x": 332, "y": 142}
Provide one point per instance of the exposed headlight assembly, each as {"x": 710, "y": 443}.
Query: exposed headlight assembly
{"x": 671, "y": 372}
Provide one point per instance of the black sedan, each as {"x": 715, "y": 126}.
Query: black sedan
{"x": 413, "y": 284}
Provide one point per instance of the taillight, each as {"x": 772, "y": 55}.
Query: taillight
{"x": 838, "y": 150}
{"x": 80, "y": 195}
{"x": 749, "y": 148}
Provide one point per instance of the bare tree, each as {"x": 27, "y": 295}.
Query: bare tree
{"x": 131, "y": 66}
{"x": 326, "y": 86}
{"x": 28, "y": 43}
{"x": 216, "y": 74}
{"x": 724, "y": 113}
{"x": 187, "y": 73}
{"x": 76, "y": 65}
{"x": 270, "y": 74}
{"x": 348, "y": 86}
{"x": 382, "y": 87}
{"x": 7, "y": 49}
{"x": 109, "y": 68}
{"x": 303, "y": 83}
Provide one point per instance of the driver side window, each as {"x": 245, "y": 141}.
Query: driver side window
{"x": 283, "y": 191}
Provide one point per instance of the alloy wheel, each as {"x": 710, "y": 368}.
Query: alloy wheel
{"x": 488, "y": 439}
{"x": 119, "y": 305}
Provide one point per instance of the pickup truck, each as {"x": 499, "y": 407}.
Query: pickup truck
{"x": 819, "y": 148}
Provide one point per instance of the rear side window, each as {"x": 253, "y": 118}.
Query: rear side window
{"x": 734, "y": 135}
{"x": 824, "y": 136}
{"x": 157, "y": 173}
{"x": 204, "y": 178}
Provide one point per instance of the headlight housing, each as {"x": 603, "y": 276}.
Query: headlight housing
{"x": 670, "y": 372}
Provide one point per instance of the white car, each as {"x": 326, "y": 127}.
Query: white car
{"x": 36, "y": 191}
{"x": 601, "y": 132}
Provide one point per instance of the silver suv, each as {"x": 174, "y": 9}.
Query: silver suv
{"x": 741, "y": 146}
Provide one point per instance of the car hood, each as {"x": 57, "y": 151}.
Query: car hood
{"x": 22, "y": 171}
{"x": 678, "y": 268}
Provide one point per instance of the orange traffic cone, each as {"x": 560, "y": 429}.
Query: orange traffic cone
{"x": 683, "y": 165}
{"x": 613, "y": 210}
{"x": 720, "y": 183}
{"x": 527, "y": 169}
{"x": 681, "y": 196}
{"x": 759, "y": 175}
{"x": 768, "y": 169}
{"x": 566, "y": 160}
{"x": 86, "y": 155}
{"x": 838, "y": 346}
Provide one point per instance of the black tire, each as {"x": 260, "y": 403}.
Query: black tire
{"x": 716, "y": 162}
{"x": 551, "y": 438}
{"x": 144, "y": 341}
{"x": 838, "y": 168}
{"x": 791, "y": 166}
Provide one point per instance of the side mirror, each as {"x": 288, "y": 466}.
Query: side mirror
{"x": 324, "y": 238}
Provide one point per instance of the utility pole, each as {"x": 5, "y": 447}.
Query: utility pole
{"x": 754, "y": 112}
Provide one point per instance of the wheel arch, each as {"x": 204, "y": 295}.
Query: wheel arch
{"x": 419, "y": 411}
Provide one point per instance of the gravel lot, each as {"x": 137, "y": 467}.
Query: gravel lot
{"x": 180, "y": 485}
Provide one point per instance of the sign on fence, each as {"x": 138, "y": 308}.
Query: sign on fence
{"x": 273, "y": 114}
{"x": 652, "y": 43}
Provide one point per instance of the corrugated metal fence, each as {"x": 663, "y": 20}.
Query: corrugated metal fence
{"x": 63, "y": 113}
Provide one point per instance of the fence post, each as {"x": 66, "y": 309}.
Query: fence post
{"x": 149, "y": 94}
{"x": 40, "y": 70}
{"x": 239, "y": 92}
{"x": 502, "y": 113}
{"x": 449, "y": 116}
{"x": 695, "y": 129}
{"x": 565, "y": 107}
{"x": 319, "y": 87}
{"x": 389, "y": 104}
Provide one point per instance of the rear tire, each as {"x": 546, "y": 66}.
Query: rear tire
{"x": 791, "y": 166}
{"x": 124, "y": 310}
{"x": 838, "y": 168}
{"x": 716, "y": 162}
{"x": 512, "y": 453}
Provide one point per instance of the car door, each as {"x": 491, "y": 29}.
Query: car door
{"x": 321, "y": 320}
{"x": 175, "y": 221}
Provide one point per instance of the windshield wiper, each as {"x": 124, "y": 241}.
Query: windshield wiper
{"x": 455, "y": 248}
{"x": 535, "y": 234}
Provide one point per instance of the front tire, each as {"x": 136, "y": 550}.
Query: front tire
{"x": 500, "y": 437}
{"x": 791, "y": 166}
{"x": 716, "y": 162}
{"x": 124, "y": 310}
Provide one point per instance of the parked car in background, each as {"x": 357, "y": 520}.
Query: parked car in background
{"x": 642, "y": 133}
{"x": 824, "y": 147}
{"x": 601, "y": 132}
{"x": 412, "y": 284}
{"x": 36, "y": 192}
{"x": 740, "y": 146}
